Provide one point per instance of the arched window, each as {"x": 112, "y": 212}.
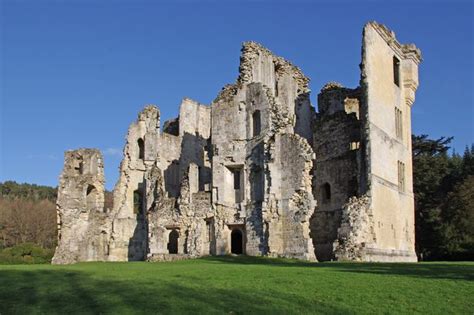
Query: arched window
{"x": 137, "y": 201}
{"x": 256, "y": 123}
{"x": 91, "y": 197}
{"x": 173, "y": 242}
{"x": 326, "y": 191}
{"x": 141, "y": 149}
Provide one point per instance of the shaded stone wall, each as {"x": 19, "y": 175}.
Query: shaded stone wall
{"x": 337, "y": 143}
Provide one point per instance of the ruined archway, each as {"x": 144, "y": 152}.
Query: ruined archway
{"x": 237, "y": 242}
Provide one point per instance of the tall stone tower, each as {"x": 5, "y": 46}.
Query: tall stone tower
{"x": 363, "y": 175}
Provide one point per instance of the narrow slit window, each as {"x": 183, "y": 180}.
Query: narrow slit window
{"x": 141, "y": 149}
{"x": 396, "y": 71}
{"x": 201, "y": 179}
{"x": 326, "y": 190}
{"x": 256, "y": 123}
{"x": 236, "y": 179}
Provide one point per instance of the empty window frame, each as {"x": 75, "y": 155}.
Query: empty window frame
{"x": 79, "y": 167}
{"x": 141, "y": 149}
{"x": 354, "y": 145}
{"x": 236, "y": 174}
{"x": 326, "y": 192}
{"x": 137, "y": 201}
{"x": 256, "y": 123}
{"x": 398, "y": 123}
{"x": 396, "y": 71}
{"x": 401, "y": 176}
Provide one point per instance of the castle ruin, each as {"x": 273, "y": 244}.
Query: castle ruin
{"x": 259, "y": 172}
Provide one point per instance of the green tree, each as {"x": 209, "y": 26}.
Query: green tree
{"x": 430, "y": 167}
{"x": 444, "y": 199}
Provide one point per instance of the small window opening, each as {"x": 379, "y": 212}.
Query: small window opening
{"x": 236, "y": 174}
{"x": 396, "y": 71}
{"x": 326, "y": 190}
{"x": 90, "y": 189}
{"x": 256, "y": 123}
{"x": 137, "y": 201}
{"x": 173, "y": 242}
{"x": 236, "y": 242}
{"x": 141, "y": 149}
{"x": 79, "y": 167}
{"x": 276, "y": 88}
{"x": 354, "y": 145}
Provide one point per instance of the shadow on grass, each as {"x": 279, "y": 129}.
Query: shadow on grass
{"x": 432, "y": 270}
{"x": 71, "y": 292}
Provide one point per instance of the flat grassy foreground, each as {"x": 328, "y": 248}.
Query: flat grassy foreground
{"x": 237, "y": 285}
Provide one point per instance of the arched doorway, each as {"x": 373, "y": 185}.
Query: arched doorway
{"x": 173, "y": 242}
{"x": 236, "y": 242}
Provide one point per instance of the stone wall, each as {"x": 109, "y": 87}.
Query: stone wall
{"x": 83, "y": 226}
{"x": 389, "y": 78}
{"x": 258, "y": 172}
{"x": 337, "y": 144}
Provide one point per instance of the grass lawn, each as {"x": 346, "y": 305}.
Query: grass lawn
{"x": 237, "y": 285}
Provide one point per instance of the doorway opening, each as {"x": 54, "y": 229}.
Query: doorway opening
{"x": 236, "y": 243}
{"x": 173, "y": 242}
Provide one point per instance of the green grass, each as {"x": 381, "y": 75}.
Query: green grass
{"x": 237, "y": 285}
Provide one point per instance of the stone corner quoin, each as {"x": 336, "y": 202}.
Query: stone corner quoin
{"x": 259, "y": 172}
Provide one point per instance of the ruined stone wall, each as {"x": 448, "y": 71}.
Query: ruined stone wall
{"x": 274, "y": 92}
{"x": 242, "y": 176}
{"x": 337, "y": 143}
{"x": 392, "y": 201}
{"x": 83, "y": 225}
{"x": 290, "y": 204}
{"x": 286, "y": 82}
{"x": 129, "y": 233}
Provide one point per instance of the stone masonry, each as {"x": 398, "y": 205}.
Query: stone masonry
{"x": 259, "y": 172}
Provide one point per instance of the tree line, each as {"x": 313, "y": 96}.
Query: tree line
{"x": 443, "y": 185}
{"x": 443, "y": 188}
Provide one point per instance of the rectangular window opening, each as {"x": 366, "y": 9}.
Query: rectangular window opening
{"x": 257, "y": 125}
{"x": 396, "y": 71}
{"x": 236, "y": 174}
{"x": 354, "y": 145}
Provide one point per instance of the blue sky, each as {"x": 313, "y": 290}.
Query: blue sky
{"x": 76, "y": 73}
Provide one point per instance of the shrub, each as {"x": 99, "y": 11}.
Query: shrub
{"x": 26, "y": 253}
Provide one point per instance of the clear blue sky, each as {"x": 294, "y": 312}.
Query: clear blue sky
{"x": 76, "y": 73}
